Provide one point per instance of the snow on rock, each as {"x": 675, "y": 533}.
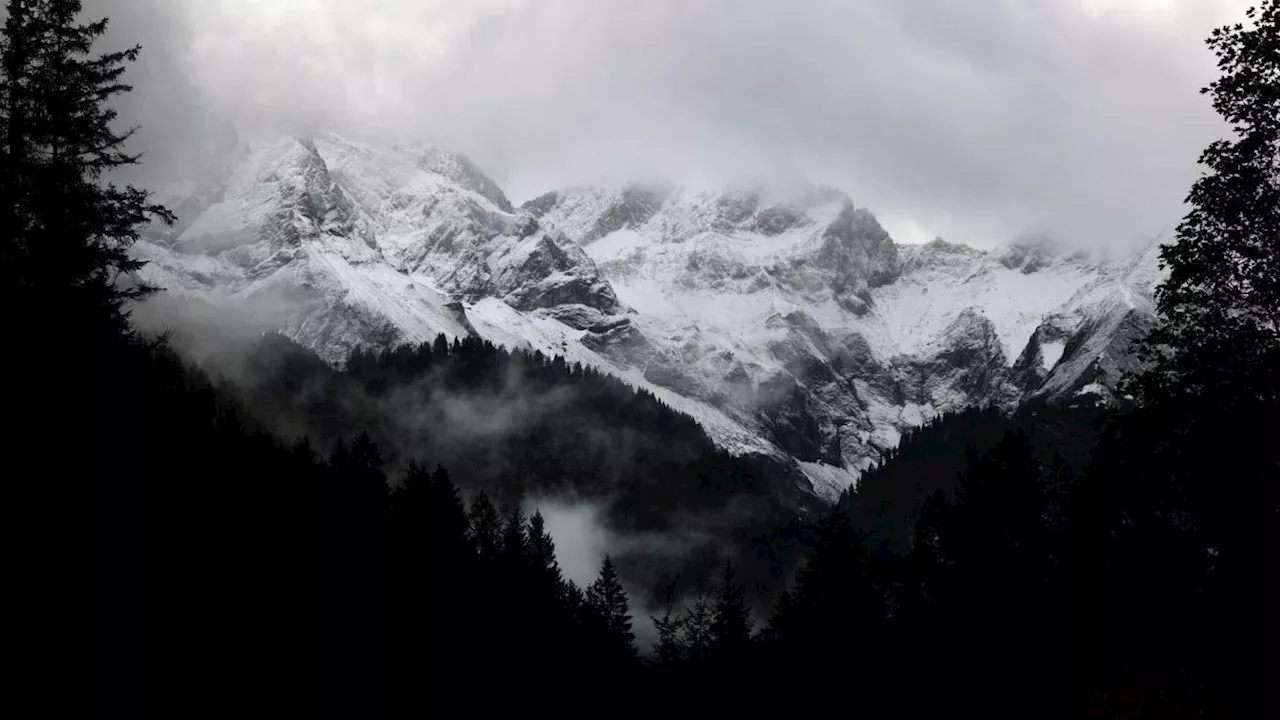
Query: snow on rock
{"x": 828, "y": 481}
{"x": 787, "y": 323}
{"x": 1051, "y": 353}
{"x": 799, "y": 314}
{"x": 503, "y": 324}
{"x": 351, "y": 243}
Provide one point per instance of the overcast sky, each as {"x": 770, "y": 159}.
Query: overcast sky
{"x": 976, "y": 120}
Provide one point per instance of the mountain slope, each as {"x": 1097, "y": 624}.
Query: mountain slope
{"x": 787, "y": 324}
{"x": 800, "y": 313}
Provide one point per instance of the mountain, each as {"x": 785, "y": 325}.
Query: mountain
{"x": 787, "y": 323}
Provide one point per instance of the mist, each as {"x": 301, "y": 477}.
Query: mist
{"x": 976, "y": 120}
{"x": 583, "y": 537}
{"x": 662, "y": 554}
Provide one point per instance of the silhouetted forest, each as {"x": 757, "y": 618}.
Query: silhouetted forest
{"x": 524, "y": 427}
{"x": 290, "y": 547}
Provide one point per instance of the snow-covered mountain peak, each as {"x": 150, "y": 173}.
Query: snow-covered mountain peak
{"x": 788, "y": 322}
{"x": 1030, "y": 254}
{"x": 831, "y": 288}
{"x": 459, "y": 169}
{"x": 368, "y": 244}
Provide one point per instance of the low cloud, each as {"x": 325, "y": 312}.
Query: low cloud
{"x": 583, "y": 539}
{"x": 978, "y": 120}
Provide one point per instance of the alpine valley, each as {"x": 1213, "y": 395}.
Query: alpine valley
{"x": 787, "y": 323}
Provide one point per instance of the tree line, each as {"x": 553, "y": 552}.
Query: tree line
{"x": 993, "y": 564}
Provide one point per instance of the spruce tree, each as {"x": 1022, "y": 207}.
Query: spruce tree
{"x": 541, "y": 546}
{"x": 834, "y": 601}
{"x": 608, "y": 601}
{"x": 410, "y": 512}
{"x": 515, "y": 544}
{"x": 546, "y": 577}
{"x": 697, "y": 630}
{"x": 67, "y": 228}
{"x": 576, "y": 606}
{"x": 670, "y": 627}
{"x": 782, "y": 622}
{"x": 486, "y": 527}
{"x": 731, "y": 623}
{"x": 360, "y": 474}
{"x": 448, "y": 521}
{"x": 440, "y": 348}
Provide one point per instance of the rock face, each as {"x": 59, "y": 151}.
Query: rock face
{"x": 345, "y": 244}
{"x": 789, "y": 323}
{"x": 802, "y": 319}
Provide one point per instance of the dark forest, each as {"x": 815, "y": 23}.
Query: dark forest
{"x": 294, "y": 546}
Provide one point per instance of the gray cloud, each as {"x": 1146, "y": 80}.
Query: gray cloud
{"x": 974, "y": 119}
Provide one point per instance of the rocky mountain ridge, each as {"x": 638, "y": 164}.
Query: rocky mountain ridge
{"x": 786, "y": 323}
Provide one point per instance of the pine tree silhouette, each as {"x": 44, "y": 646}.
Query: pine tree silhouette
{"x": 67, "y": 230}
{"x": 698, "y": 627}
{"x": 546, "y": 579}
{"x": 515, "y": 543}
{"x": 671, "y": 647}
{"x": 448, "y": 524}
{"x": 486, "y": 528}
{"x": 608, "y": 602}
{"x": 731, "y": 624}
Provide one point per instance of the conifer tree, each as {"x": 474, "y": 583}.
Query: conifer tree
{"x": 360, "y": 468}
{"x": 545, "y": 570}
{"x": 833, "y": 600}
{"x": 67, "y": 228}
{"x": 515, "y": 544}
{"x": 698, "y": 622}
{"x": 782, "y": 624}
{"x": 448, "y": 519}
{"x": 486, "y": 527}
{"x": 608, "y": 601}
{"x": 541, "y": 546}
{"x": 731, "y": 623}
{"x": 670, "y": 627}
{"x": 576, "y": 606}
{"x": 410, "y": 511}
{"x": 515, "y": 574}
{"x": 440, "y": 348}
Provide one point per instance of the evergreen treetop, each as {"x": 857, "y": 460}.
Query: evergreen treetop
{"x": 67, "y": 227}
{"x": 608, "y": 600}
{"x": 731, "y": 626}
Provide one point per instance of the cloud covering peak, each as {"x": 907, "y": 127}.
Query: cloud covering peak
{"x": 977, "y": 120}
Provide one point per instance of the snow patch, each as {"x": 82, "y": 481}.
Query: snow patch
{"x": 1093, "y": 388}
{"x": 911, "y": 313}
{"x": 828, "y": 481}
{"x": 1051, "y": 353}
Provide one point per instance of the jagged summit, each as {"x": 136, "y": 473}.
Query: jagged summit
{"x": 788, "y": 322}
